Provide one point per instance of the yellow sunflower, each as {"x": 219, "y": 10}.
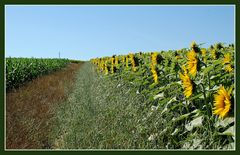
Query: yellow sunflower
{"x": 126, "y": 61}
{"x": 193, "y": 45}
{"x": 227, "y": 58}
{"x": 154, "y": 58}
{"x": 204, "y": 52}
{"x": 214, "y": 54}
{"x": 116, "y": 61}
{"x": 106, "y": 69}
{"x": 222, "y": 102}
{"x": 102, "y": 65}
{"x": 192, "y": 63}
{"x": 228, "y": 68}
{"x": 131, "y": 56}
{"x": 112, "y": 66}
{"x": 123, "y": 59}
{"x": 178, "y": 57}
{"x": 154, "y": 73}
{"x": 187, "y": 84}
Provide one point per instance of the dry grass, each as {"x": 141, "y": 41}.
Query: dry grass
{"x": 30, "y": 109}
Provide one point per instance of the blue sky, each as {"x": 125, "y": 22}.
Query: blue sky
{"x": 84, "y": 32}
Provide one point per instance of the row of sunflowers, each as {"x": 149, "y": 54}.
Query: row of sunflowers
{"x": 189, "y": 88}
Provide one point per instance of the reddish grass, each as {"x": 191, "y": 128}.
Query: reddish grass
{"x": 30, "y": 109}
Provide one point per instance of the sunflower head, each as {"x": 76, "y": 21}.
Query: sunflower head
{"x": 222, "y": 102}
{"x": 126, "y": 61}
{"x": 177, "y": 56}
{"x": 195, "y": 47}
{"x": 214, "y": 54}
{"x": 132, "y": 59}
{"x": 193, "y": 44}
{"x": 154, "y": 73}
{"x": 106, "y": 69}
{"x": 154, "y": 58}
{"x": 203, "y": 51}
{"x": 228, "y": 68}
{"x": 218, "y": 46}
{"x": 192, "y": 63}
{"x": 211, "y": 47}
{"x": 112, "y": 60}
{"x": 188, "y": 85}
{"x": 184, "y": 68}
{"x": 123, "y": 59}
{"x": 227, "y": 58}
{"x": 116, "y": 61}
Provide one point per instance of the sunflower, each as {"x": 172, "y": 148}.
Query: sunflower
{"x": 131, "y": 56}
{"x": 178, "y": 57}
{"x": 204, "y": 52}
{"x": 194, "y": 47}
{"x": 214, "y": 54}
{"x": 102, "y": 65}
{"x": 187, "y": 84}
{"x": 154, "y": 58}
{"x": 154, "y": 73}
{"x": 184, "y": 69}
{"x": 227, "y": 58}
{"x": 222, "y": 102}
{"x": 228, "y": 68}
{"x": 116, "y": 62}
{"x": 192, "y": 63}
{"x": 106, "y": 69}
{"x": 123, "y": 59}
{"x": 126, "y": 61}
{"x": 112, "y": 66}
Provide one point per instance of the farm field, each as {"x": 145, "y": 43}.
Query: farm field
{"x": 31, "y": 105}
{"x": 181, "y": 99}
{"x": 20, "y": 70}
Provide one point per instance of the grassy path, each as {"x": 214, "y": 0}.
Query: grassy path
{"x": 100, "y": 113}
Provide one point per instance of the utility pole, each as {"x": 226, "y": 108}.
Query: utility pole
{"x": 59, "y": 54}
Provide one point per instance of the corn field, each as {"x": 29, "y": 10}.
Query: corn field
{"x": 21, "y": 70}
{"x": 190, "y": 90}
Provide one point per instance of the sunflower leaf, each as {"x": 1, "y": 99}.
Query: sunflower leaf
{"x": 229, "y": 132}
{"x": 160, "y": 96}
{"x": 194, "y": 123}
{"x": 224, "y": 123}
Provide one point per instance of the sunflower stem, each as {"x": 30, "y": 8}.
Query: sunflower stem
{"x": 209, "y": 84}
{"x": 205, "y": 98}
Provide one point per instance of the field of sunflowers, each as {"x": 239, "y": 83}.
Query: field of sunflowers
{"x": 189, "y": 94}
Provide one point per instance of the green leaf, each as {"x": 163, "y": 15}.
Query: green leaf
{"x": 181, "y": 117}
{"x": 229, "y": 132}
{"x": 197, "y": 122}
{"x": 195, "y": 97}
{"x": 211, "y": 67}
{"x": 224, "y": 123}
{"x": 160, "y": 96}
{"x": 175, "y": 132}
